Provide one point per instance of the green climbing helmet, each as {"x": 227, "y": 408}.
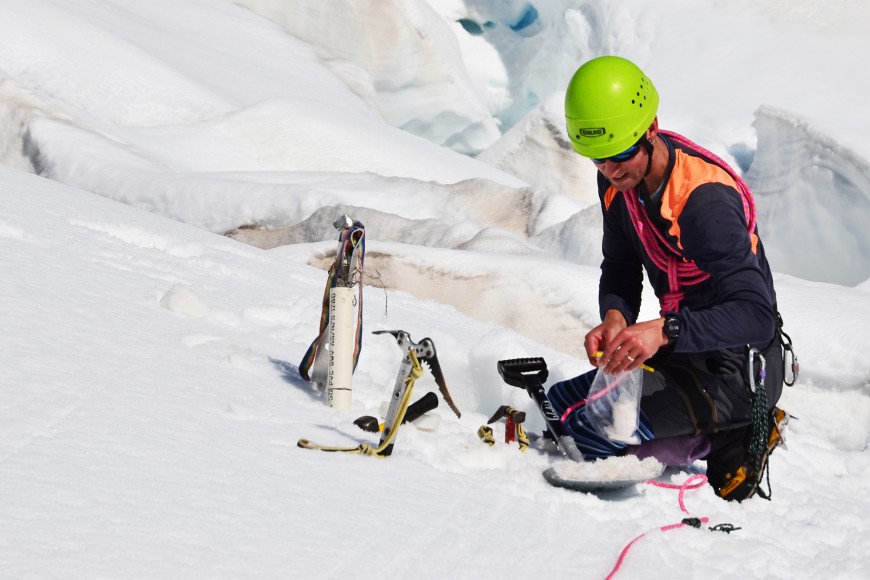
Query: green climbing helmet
{"x": 609, "y": 105}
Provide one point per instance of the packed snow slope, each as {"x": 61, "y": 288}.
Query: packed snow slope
{"x": 154, "y": 402}
{"x": 153, "y": 396}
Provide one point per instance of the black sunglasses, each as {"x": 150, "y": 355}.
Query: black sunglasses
{"x": 629, "y": 153}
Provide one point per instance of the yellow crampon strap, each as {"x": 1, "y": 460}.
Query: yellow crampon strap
{"x": 366, "y": 448}
{"x": 522, "y": 438}
{"x": 485, "y": 434}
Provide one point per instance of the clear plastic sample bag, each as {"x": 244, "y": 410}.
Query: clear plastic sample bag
{"x": 613, "y": 405}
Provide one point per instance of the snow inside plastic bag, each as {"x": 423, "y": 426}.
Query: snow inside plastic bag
{"x": 613, "y": 405}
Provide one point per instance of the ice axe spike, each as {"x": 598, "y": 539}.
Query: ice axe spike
{"x": 369, "y": 423}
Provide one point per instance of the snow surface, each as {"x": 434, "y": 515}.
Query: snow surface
{"x": 153, "y": 399}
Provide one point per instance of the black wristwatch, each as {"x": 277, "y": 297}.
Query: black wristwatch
{"x": 672, "y": 327}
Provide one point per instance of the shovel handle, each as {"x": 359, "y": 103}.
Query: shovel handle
{"x": 530, "y": 374}
{"x": 523, "y": 372}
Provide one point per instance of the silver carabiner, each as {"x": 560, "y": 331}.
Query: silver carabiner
{"x": 753, "y": 352}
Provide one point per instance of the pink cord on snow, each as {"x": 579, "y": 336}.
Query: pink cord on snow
{"x": 693, "y": 482}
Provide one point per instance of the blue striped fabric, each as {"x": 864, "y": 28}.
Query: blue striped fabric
{"x": 592, "y": 445}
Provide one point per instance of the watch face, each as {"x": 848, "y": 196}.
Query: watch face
{"x": 672, "y": 327}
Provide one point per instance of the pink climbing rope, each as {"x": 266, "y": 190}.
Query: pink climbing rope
{"x": 662, "y": 253}
{"x": 693, "y": 482}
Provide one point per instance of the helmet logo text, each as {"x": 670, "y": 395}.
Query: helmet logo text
{"x": 592, "y": 132}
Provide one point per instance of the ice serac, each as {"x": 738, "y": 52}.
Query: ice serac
{"x": 813, "y": 198}
{"x": 520, "y": 52}
{"x": 537, "y": 151}
{"x": 421, "y": 84}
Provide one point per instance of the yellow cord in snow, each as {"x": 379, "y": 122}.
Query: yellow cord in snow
{"x": 366, "y": 448}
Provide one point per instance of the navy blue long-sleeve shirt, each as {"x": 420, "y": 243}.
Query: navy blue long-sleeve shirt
{"x": 700, "y": 211}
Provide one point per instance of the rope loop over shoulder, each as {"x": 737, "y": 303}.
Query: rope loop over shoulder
{"x": 661, "y": 251}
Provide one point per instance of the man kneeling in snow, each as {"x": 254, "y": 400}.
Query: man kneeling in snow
{"x": 684, "y": 216}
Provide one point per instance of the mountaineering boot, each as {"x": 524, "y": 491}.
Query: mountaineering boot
{"x": 732, "y": 472}
{"x": 780, "y": 419}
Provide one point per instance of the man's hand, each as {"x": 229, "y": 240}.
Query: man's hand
{"x": 599, "y": 337}
{"x": 630, "y": 346}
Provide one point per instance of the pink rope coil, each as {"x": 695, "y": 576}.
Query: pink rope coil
{"x": 662, "y": 253}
